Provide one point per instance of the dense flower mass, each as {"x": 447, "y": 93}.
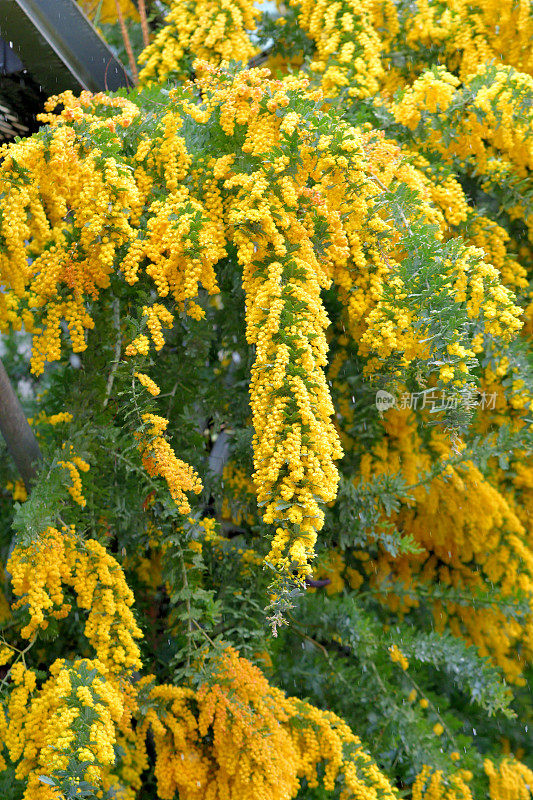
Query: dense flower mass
{"x": 39, "y": 573}
{"x": 264, "y": 744}
{"x": 271, "y": 313}
{"x": 213, "y": 30}
{"x": 275, "y": 222}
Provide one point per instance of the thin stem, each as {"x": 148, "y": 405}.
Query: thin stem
{"x": 155, "y": 486}
{"x": 127, "y": 42}
{"x": 322, "y": 649}
{"x": 433, "y": 708}
{"x": 204, "y": 633}
{"x": 387, "y": 189}
{"x": 188, "y": 606}
{"x": 303, "y": 635}
{"x": 144, "y": 22}
{"x": 21, "y": 655}
{"x": 116, "y": 359}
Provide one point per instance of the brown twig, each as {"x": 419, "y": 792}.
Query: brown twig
{"x": 199, "y": 627}
{"x": 118, "y": 344}
{"x": 144, "y": 23}
{"x": 127, "y": 42}
{"x": 190, "y": 620}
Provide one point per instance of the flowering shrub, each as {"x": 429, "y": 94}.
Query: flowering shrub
{"x": 278, "y": 302}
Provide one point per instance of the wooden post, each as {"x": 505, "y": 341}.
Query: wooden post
{"x": 15, "y": 429}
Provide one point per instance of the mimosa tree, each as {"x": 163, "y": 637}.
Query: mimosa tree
{"x": 277, "y": 537}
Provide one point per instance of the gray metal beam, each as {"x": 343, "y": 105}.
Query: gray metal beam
{"x": 60, "y": 47}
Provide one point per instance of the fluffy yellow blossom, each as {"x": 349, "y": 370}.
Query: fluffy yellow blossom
{"x": 160, "y": 459}
{"x": 157, "y": 316}
{"x": 57, "y": 419}
{"x": 238, "y": 709}
{"x": 42, "y": 723}
{"x": 148, "y": 383}
{"x": 39, "y": 574}
{"x": 398, "y": 657}
{"x": 139, "y": 346}
{"x": 212, "y": 30}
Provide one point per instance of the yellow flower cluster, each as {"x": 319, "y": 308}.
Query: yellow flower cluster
{"x": 432, "y": 92}
{"x": 182, "y": 246}
{"x": 159, "y": 459}
{"x": 491, "y": 123}
{"x": 434, "y": 785}
{"x": 274, "y": 219}
{"x": 307, "y": 204}
{"x": 212, "y": 30}
{"x": 148, "y": 383}
{"x": 72, "y": 190}
{"x": 261, "y": 743}
{"x": 239, "y": 492}
{"x": 139, "y": 347}
{"x": 73, "y": 466}
{"x": 478, "y": 284}
{"x": 40, "y": 571}
{"x": 509, "y": 778}
{"x": 295, "y": 443}
{"x": 157, "y": 317}
{"x": 57, "y": 419}
{"x": 62, "y": 230}
{"x": 272, "y": 216}
{"x": 398, "y": 657}
{"x": 379, "y": 320}
{"x": 348, "y": 47}
{"x": 43, "y": 727}
{"x": 474, "y": 529}
{"x": 472, "y": 535}
{"x": 496, "y": 243}
{"x": 470, "y": 34}
{"x": 332, "y": 568}
{"x": 18, "y": 490}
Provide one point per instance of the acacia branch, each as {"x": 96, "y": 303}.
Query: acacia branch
{"x": 15, "y": 429}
